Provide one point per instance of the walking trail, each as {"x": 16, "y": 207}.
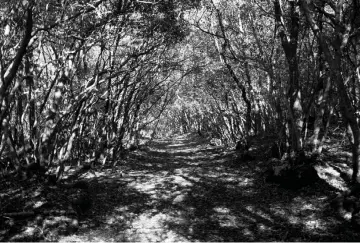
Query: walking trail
{"x": 182, "y": 189}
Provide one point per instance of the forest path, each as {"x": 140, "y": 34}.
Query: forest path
{"x": 182, "y": 189}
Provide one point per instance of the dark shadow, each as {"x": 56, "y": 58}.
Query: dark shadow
{"x": 188, "y": 191}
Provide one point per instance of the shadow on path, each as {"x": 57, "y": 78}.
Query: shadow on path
{"x": 182, "y": 189}
{"x": 191, "y": 191}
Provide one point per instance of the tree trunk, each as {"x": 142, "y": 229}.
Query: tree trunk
{"x": 289, "y": 42}
{"x": 11, "y": 72}
{"x": 334, "y": 59}
{"x": 242, "y": 87}
{"x": 349, "y": 114}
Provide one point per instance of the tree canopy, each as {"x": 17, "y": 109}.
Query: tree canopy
{"x": 84, "y": 80}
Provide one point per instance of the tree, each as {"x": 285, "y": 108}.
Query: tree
{"x": 343, "y": 33}
{"x": 83, "y": 75}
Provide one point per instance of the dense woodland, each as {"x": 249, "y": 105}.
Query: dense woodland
{"x": 84, "y": 82}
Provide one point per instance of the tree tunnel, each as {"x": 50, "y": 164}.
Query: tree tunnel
{"x": 83, "y": 80}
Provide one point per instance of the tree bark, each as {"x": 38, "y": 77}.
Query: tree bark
{"x": 10, "y": 73}
{"x": 289, "y": 42}
{"x": 242, "y": 87}
{"x": 334, "y": 59}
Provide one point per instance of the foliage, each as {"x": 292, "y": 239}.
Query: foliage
{"x": 84, "y": 80}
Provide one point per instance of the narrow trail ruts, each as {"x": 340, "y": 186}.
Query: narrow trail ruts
{"x": 182, "y": 189}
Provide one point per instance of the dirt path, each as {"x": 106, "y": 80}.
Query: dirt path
{"x": 181, "y": 189}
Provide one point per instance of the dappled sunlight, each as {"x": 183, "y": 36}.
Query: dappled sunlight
{"x": 246, "y": 182}
{"x": 303, "y": 213}
{"x": 179, "y": 120}
{"x": 183, "y": 150}
{"x": 146, "y": 227}
{"x": 181, "y": 181}
{"x": 331, "y": 176}
{"x": 308, "y": 212}
{"x": 150, "y": 228}
{"x": 194, "y": 195}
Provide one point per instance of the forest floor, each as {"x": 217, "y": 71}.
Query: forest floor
{"x": 183, "y": 189}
